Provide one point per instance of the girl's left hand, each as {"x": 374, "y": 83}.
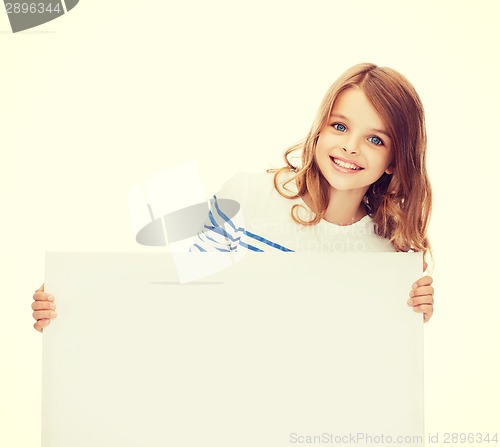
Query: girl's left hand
{"x": 422, "y": 296}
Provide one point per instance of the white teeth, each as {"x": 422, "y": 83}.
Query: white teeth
{"x": 344, "y": 164}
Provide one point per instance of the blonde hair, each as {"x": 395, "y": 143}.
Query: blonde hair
{"x": 399, "y": 203}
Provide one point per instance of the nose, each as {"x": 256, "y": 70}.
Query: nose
{"x": 350, "y": 143}
{"x": 351, "y": 149}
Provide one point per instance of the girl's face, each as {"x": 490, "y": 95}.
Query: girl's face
{"x": 354, "y": 149}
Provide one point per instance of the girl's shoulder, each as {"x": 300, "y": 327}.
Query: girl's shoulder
{"x": 257, "y": 196}
{"x": 247, "y": 186}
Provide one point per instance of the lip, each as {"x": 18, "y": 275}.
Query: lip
{"x": 345, "y": 170}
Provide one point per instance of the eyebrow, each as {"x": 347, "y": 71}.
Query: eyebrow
{"x": 342, "y": 117}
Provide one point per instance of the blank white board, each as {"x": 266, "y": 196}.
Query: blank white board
{"x": 280, "y": 349}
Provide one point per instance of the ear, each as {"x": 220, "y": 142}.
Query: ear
{"x": 390, "y": 169}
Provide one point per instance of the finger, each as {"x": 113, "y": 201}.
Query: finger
{"x": 420, "y": 291}
{"x": 42, "y": 296}
{"x": 41, "y": 288}
{"x": 43, "y": 305}
{"x": 423, "y": 308}
{"x": 427, "y": 317}
{"x": 418, "y": 300}
{"x": 41, "y": 314}
{"x": 424, "y": 281}
{"x": 425, "y": 266}
{"x": 40, "y": 324}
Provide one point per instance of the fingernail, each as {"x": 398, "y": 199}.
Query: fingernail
{"x": 414, "y": 286}
{"x": 412, "y": 293}
{"x": 52, "y": 306}
{"x": 50, "y": 298}
{"x": 53, "y": 314}
{"x": 410, "y": 302}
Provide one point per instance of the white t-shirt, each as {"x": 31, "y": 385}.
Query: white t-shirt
{"x": 262, "y": 222}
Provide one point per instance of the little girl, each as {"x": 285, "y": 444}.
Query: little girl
{"x": 361, "y": 185}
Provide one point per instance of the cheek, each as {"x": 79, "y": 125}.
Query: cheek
{"x": 383, "y": 160}
{"x": 389, "y": 161}
{"x": 325, "y": 143}
{"x": 321, "y": 142}
{"x": 320, "y": 146}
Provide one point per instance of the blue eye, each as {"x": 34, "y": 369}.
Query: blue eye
{"x": 376, "y": 141}
{"x": 339, "y": 126}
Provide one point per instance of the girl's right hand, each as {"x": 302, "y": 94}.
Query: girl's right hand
{"x": 44, "y": 309}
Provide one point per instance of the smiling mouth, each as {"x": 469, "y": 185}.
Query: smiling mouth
{"x": 346, "y": 165}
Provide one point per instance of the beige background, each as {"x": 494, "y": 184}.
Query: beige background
{"x": 109, "y": 94}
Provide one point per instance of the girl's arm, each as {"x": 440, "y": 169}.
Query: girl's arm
{"x": 224, "y": 225}
{"x": 221, "y": 231}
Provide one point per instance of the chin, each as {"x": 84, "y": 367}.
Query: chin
{"x": 345, "y": 184}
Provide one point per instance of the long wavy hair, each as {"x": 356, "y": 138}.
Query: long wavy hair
{"x": 399, "y": 203}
